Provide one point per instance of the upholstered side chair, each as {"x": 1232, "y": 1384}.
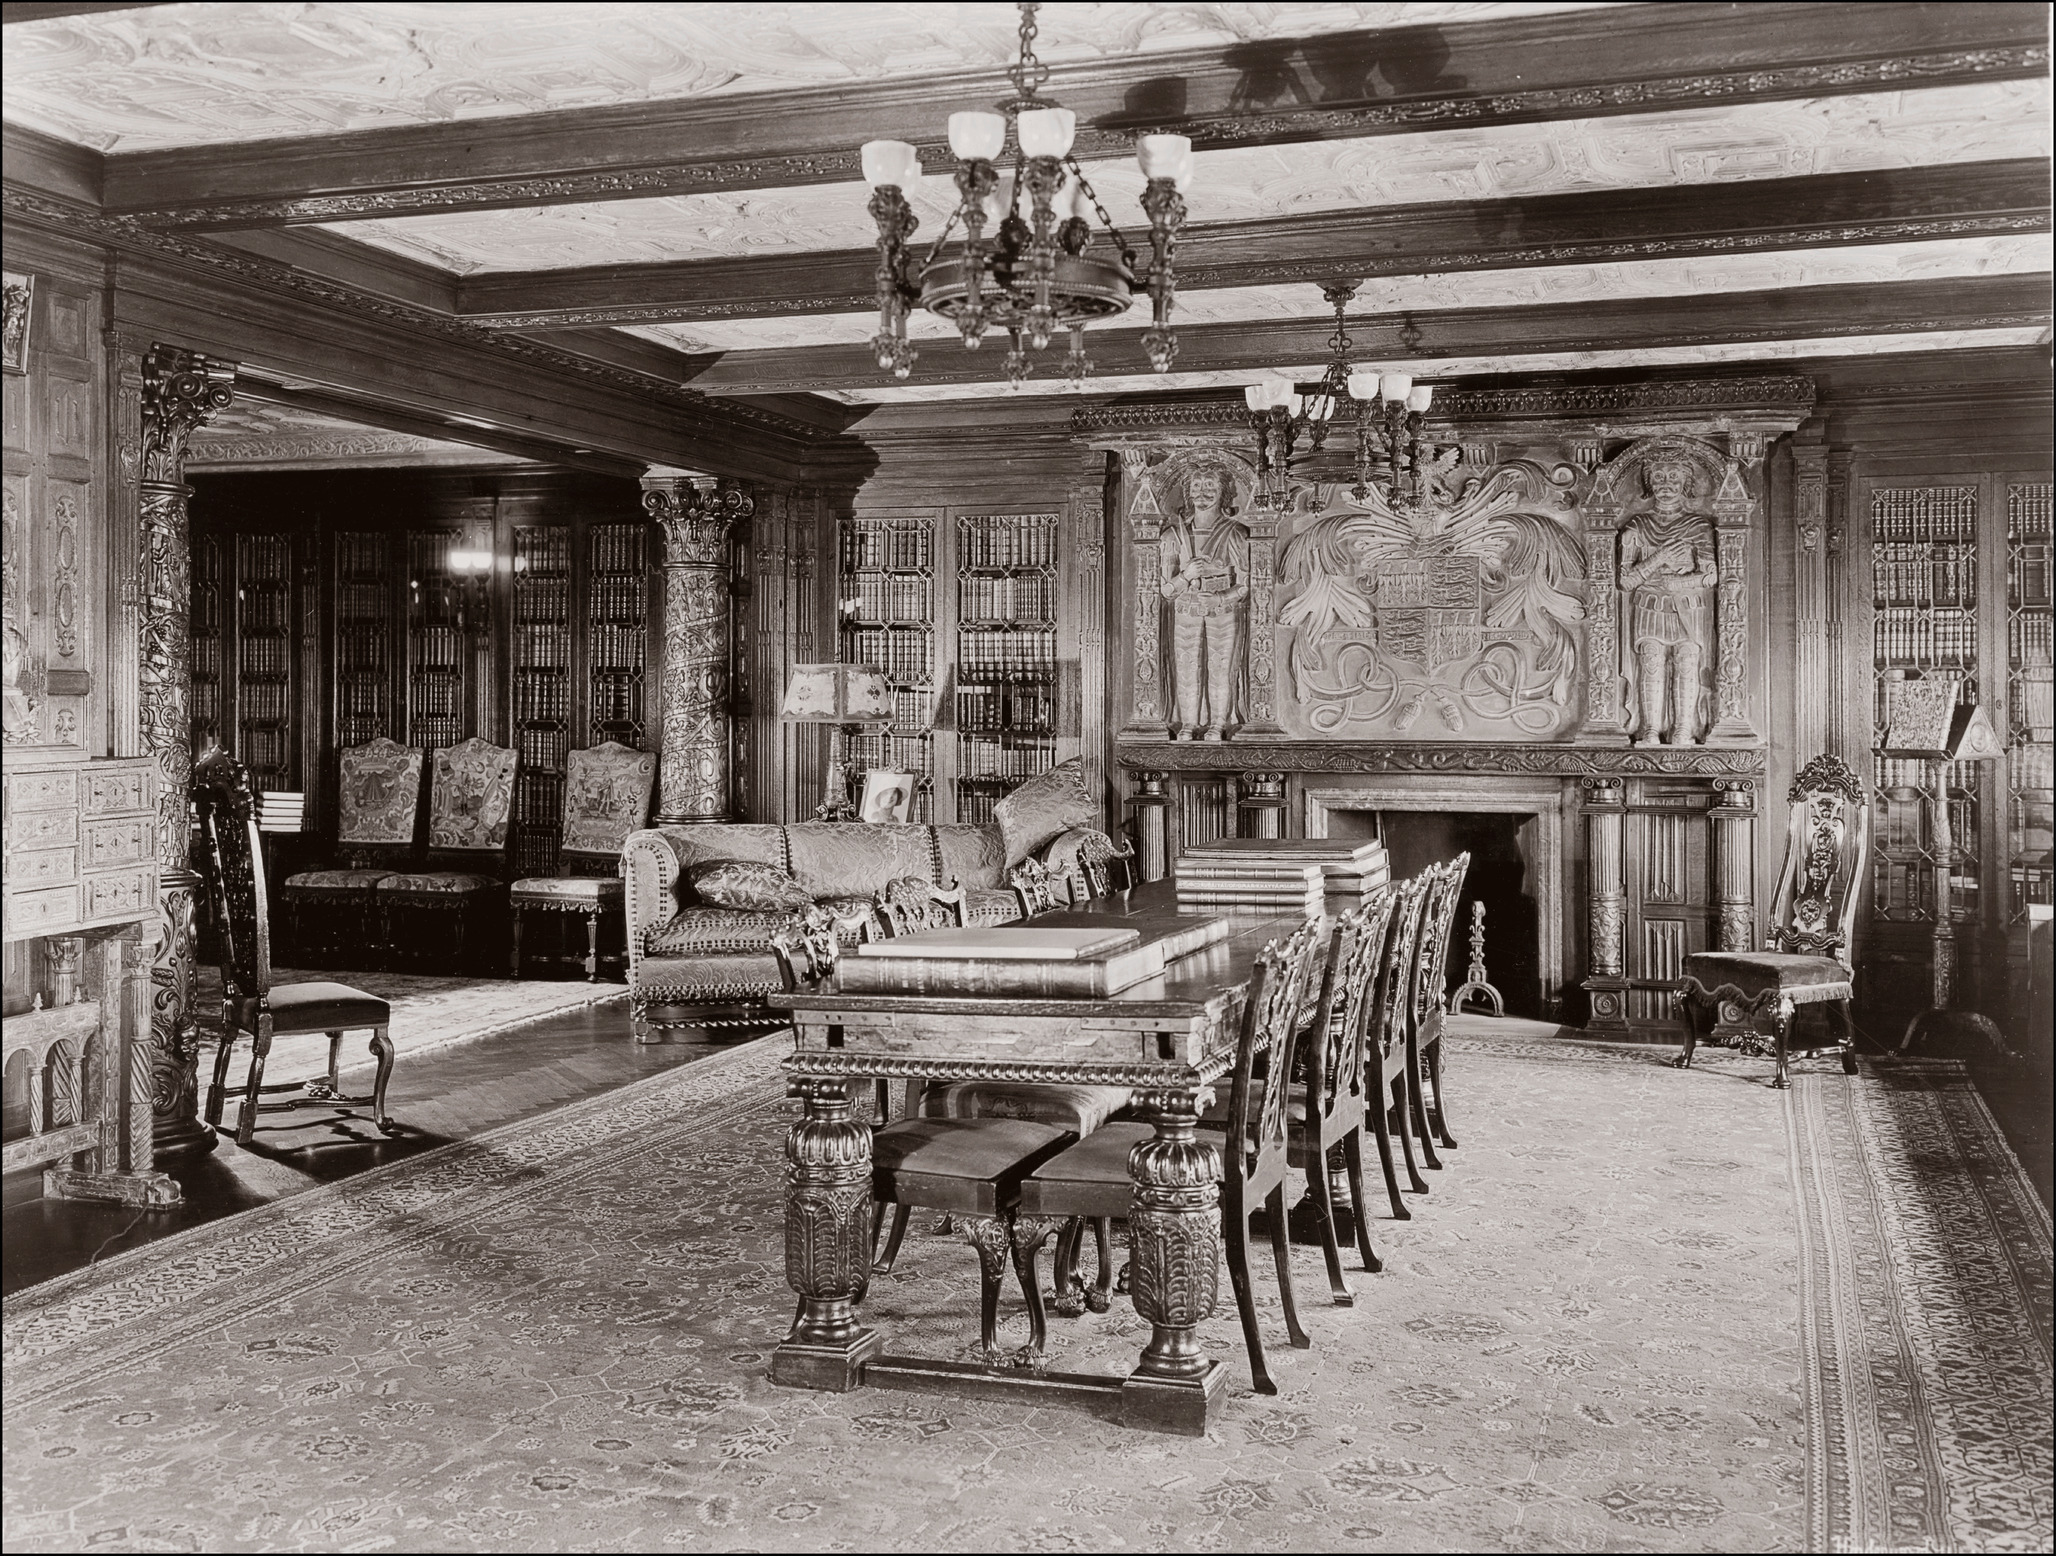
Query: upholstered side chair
{"x": 233, "y": 865}
{"x": 470, "y": 810}
{"x": 378, "y": 800}
{"x": 1807, "y": 959}
{"x": 606, "y": 797}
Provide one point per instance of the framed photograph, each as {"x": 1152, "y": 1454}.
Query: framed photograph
{"x": 14, "y": 327}
{"x": 888, "y": 796}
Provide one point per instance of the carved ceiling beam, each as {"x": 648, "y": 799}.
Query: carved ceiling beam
{"x": 1757, "y": 216}
{"x": 1720, "y": 318}
{"x": 1576, "y": 64}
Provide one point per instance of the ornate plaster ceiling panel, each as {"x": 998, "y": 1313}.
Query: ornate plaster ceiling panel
{"x": 253, "y": 436}
{"x": 2023, "y": 254}
{"x": 191, "y": 75}
{"x": 1431, "y": 369}
{"x": 1861, "y": 133}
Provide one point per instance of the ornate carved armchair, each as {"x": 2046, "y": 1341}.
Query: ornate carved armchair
{"x": 378, "y": 797}
{"x": 1807, "y": 960}
{"x": 606, "y": 797}
{"x": 234, "y": 868}
{"x": 470, "y": 806}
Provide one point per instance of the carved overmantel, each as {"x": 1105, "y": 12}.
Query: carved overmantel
{"x": 1578, "y": 602}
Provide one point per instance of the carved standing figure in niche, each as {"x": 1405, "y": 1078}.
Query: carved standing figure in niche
{"x": 1204, "y": 564}
{"x": 1669, "y": 570}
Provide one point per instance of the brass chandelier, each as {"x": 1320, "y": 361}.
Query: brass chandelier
{"x": 1390, "y": 411}
{"x": 1038, "y": 272}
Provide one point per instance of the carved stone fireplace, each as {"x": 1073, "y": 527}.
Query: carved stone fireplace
{"x": 1525, "y": 935}
{"x": 1567, "y": 628}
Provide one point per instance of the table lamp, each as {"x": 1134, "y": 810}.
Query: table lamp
{"x": 843, "y": 697}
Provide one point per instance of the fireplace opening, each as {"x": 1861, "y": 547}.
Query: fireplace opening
{"x": 1501, "y": 876}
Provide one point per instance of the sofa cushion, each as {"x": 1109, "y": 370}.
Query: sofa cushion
{"x": 839, "y": 859}
{"x": 762, "y": 844}
{"x": 707, "y": 979}
{"x": 745, "y": 883}
{"x": 699, "y": 930}
{"x": 1044, "y": 807}
{"x": 971, "y": 855}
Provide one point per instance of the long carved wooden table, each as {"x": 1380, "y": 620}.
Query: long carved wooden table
{"x": 1169, "y": 1039}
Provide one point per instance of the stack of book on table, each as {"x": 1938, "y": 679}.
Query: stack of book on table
{"x": 1279, "y": 874}
{"x": 1088, "y": 961}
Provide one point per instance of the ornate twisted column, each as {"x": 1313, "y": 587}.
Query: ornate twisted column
{"x": 180, "y": 390}
{"x": 697, "y": 515}
{"x": 1174, "y": 1236}
{"x": 1606, "y": 818}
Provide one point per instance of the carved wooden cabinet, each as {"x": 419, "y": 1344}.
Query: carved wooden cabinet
{"x": 81, "y": 841}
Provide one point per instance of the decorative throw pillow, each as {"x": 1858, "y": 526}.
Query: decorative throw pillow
{"x": 740, "y": 883}
{"x": 1045, "y": 806}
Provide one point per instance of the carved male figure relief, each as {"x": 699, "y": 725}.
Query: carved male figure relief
{"x": 1204, "y": 564}
{"x": 1668, "y": 570}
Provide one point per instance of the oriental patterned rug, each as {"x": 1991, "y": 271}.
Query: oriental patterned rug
{"x": 427, "y": 1013}
{"x": 1640, "y": 1310}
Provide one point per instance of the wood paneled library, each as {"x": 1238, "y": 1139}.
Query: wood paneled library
{"x": 732, "y": 735}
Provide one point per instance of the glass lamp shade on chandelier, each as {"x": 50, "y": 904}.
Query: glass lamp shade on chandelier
{"x": 1038, "y": 271}
{"x": 1390, "y": 411}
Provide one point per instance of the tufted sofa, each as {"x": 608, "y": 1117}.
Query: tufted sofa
{"x": 694, "y": 965}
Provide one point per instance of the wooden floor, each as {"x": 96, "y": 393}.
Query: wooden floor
{"x": 445, "y": 1095}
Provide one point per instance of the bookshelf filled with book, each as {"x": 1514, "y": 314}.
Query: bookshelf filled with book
{"x": 1006, "y": 655}
{"x": 886, "y": 570}
{"x": 363, "y": 653}
{"x": 209, "y": 609}
{"x": 264, "y": 621}
{"x": 435, "y": 643}
{"x": 540, "y": 678}
{"x": 616, "y": 633}
{"x": 2030, "y": 699}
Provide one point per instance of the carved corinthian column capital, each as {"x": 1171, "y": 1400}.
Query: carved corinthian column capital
{"x": 697, "y": 516}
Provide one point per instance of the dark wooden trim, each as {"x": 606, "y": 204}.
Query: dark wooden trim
{"x": 54, "y": 166}
{"x": 1784, "y": 313}
{"x": 1399, "y": 80}
{"x": 43, "y": 10}
{"x": 1900, "y": 205}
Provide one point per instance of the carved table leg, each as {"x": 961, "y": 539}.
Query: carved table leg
{"x": 827, "y": 1241}
{"x": 1174, "y": 1230}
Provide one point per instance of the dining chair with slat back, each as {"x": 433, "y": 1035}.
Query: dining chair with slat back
{"x": 1431, "y": 1007}
{"x": 1092, "y": 1178}
{"x": 233, "y": 870}
{"x": 1326, "y": 1113}
{"x": 1390, "y": 1048}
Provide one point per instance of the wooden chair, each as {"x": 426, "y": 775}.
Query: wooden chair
{"x": 1039, "y": 888}
{"x": 378, "y": 803}
{"x": 1092, "y": 1179}
{"x": 1099, "y": 858}
{"x": 1326, "y": 1114}
{"x": 1431, "y": 1005}
{"x": 1388, "y": 1047}
{"x": 470, "y": 808}
{"x": 233, "y": 864}
{"x": 606, "y": 797}
{"x": 910, "y": 905}
{"x": 1808, "y": 958}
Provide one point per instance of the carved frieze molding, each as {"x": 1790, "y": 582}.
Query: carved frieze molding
{"x": 1454, "y": 757}
{"x": 1782, "y": 399}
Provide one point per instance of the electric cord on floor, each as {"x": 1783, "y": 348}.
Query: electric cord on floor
{"x": 134, "y": 1221}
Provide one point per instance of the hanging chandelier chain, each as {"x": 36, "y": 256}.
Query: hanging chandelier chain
{"x": 1099, "y": 210}
{"x": 1028, "y": 73}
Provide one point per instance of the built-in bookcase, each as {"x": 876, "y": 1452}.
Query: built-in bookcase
{"x": 887, "y": 591}
{"x": 540, "y": 671}
{"x": 363, "y": 584}
{"x": 265, "y": 623}
{"x": 616, "y": 632}
{"x": 435, "y": 643}
{"x": 2030, "y": 705}
{"x": 1006, "y": 659}
{"x": 208, "y": 622}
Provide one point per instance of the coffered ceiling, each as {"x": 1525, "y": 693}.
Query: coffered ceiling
{"x": 672, "y": 190}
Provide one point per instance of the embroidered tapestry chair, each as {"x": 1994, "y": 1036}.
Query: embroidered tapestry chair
{"x": 1091, "y": 1178}
{"x": 1431, "y": 1005}
{"x": 233, "y": 864}
{"x": 1807, "y": 960}
{"x": 606, "y": 797}
{"x": 470, "y": 808}
{"x": 378, "y": 800}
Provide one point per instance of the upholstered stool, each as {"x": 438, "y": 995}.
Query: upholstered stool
{"x": 591, "y": 898}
